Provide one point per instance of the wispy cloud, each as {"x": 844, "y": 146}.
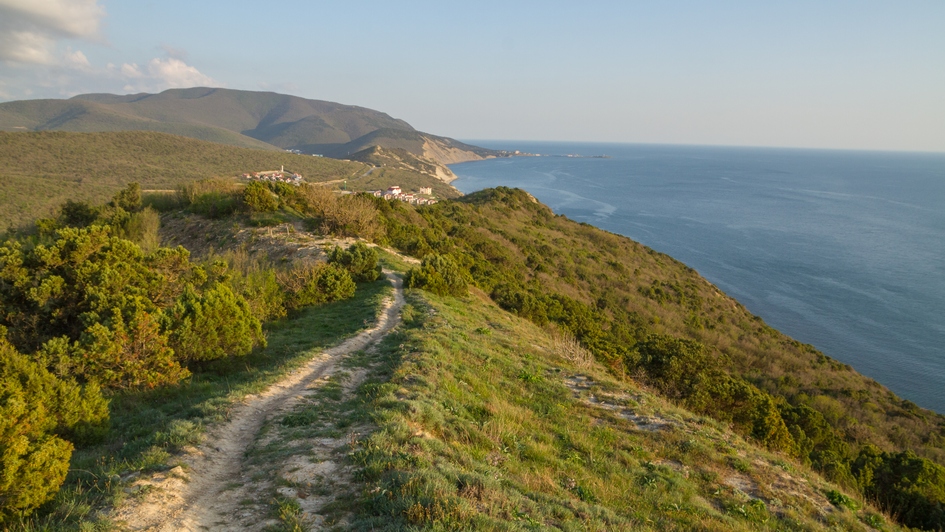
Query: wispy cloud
{"x": 159, "y": 74}
{"x": 39, "y": 44}
{"x": 30, "y": 29}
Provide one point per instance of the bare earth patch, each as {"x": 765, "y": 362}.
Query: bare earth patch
{"x": 580, "y": 386}
{"x": 215, "y": 489}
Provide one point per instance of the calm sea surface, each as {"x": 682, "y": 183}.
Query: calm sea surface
{"x": 843, "y": 250}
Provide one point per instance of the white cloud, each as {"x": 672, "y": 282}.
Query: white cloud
{"x": 76, "y": 59}
{"x": 29, "y": 29}
{"x": 37, "y": 39}
{"x": 174, "y": 73}
{"x": 131, "y": 71}
{"x": 159, "y": 74}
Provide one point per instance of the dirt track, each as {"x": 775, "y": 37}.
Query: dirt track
{"x": 211, "y": 490}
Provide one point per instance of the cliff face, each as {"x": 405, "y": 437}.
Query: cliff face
{"x": 439, "y": 151}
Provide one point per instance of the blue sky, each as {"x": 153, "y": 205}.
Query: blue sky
{"x": 861, "y": 75}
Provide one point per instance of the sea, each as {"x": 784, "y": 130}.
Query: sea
{"x": 844, "y": 250}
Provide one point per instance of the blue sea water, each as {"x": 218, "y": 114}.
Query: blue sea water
{"x": 840, "y": 249}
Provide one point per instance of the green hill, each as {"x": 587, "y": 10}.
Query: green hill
{"x": 547, "y": 374}
{"x": 242, "y": 118}
{"x": 39, "y": 171}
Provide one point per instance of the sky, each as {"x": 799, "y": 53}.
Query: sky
{"x": 821, "y": 74}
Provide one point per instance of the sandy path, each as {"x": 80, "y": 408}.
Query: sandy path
{"x": 205, "y": 495}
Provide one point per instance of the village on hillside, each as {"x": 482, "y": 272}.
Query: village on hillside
{"x": 276, "y": 175}
{"x": 396, "y": 193}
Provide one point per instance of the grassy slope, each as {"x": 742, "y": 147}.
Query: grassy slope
{"x": 90, "y": 116}
{"x": 482, "y": 425}
{"x": 39, "y": 171}
{"x": 640, "y": 291}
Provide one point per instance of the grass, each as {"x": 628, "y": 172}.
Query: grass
{"x": 149, "y": 427}
{"x": 495, "y": 430}
{"x": 42, "y": 170}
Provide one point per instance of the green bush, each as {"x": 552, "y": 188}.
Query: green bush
{"x": 142, "y": 228}
{"x": 38, "y": 413}
{"x": 77, "y": 214}
{"x": 118, "y": 353}
{"x": 903, "y": 484}
{"x": 262, "y": 292}
{"x": 258, "y": 198}
{"x": 438, "y": 274}
{"x": 315, "y": 284}
{"x": 360, "y": 261}
{"x": 212, "y": 325}
{"x": 128, "y": 199}
{"x": 214, "y": 205}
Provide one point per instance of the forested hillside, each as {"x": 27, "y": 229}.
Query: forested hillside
{"x": 263, "y": 120}
{"x": 42, "y": 170}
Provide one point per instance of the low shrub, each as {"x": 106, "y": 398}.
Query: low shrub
{"x": 360, "y": 261}
{"x": 258, "y": 198}
{"x": 317, "y": 283}
{"x": 212, "y": 325}
{"x": 438, "y": 274}
{"x": 39, "y": 413}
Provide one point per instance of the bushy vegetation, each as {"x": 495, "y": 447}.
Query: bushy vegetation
{"x": 438, "y": 274}
{"x": 360, "y": 260}
{"x": 646, "y": 316}
{"x": 85, "y": 308}
{"x": 42, "y": 170}
{"x": 40, "y": 415}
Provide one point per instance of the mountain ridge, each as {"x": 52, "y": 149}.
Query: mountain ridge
{"x": 265, "y": 120}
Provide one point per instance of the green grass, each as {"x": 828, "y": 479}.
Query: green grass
{"x": 40, "y": 171}
{"x": 479, "y": 430}
{"x": 148, "y": 427}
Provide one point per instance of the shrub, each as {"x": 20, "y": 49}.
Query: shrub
{"x": 38, "y": 412}
{"x": 360, "y": 261}
{"x": 262, "y": 292}
{"x": 128, "y": 199}
{"x": 258, "y": 198}
{"x": 905, "y": 485}
{"x": 142, "y": 229}
{"x": 77, "y": 213}
{"x": 212, "y": 325}
{"x": 315, "y": 284}
{"x": 213, "y": 198}
{"x": 438, "y": 274}
{"x": 118, "y": 353}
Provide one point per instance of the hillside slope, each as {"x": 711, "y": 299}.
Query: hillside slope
{"x": 39, "y": 171}
{"x": 242, "y": 118}
{"x": 487, "y": 422}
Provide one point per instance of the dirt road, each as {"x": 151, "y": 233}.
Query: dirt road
{"x": 213, "y": 490}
